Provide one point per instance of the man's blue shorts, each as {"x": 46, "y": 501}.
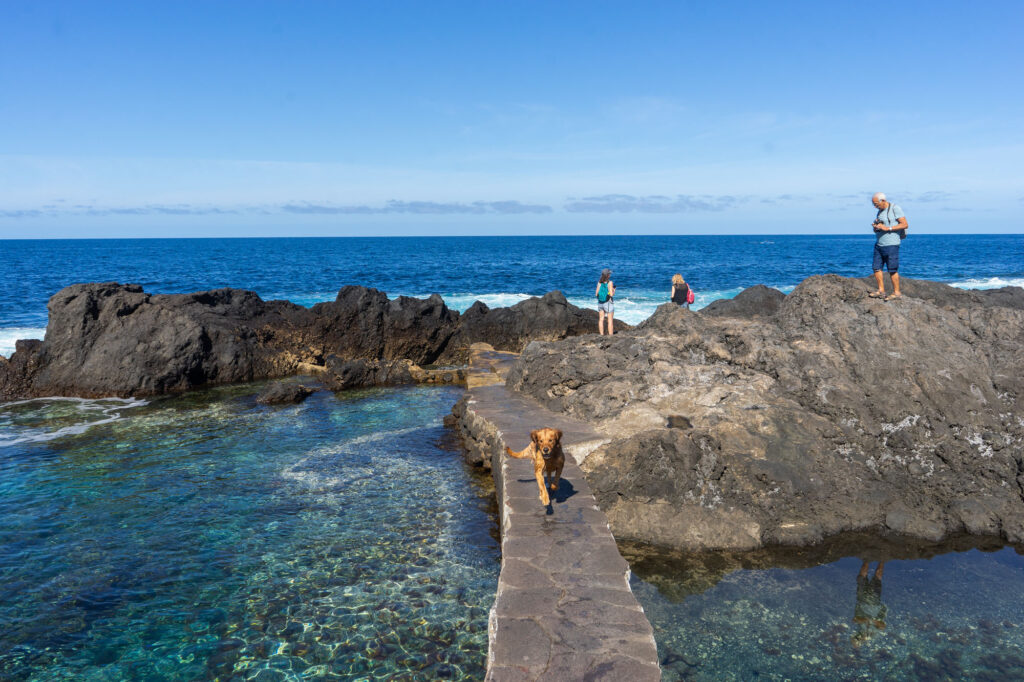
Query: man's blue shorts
{"x": 887, "y": 255}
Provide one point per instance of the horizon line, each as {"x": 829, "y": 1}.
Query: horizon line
{"x": 512, "y": 236}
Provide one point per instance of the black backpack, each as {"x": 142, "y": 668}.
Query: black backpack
{"x": 901, "y": 233}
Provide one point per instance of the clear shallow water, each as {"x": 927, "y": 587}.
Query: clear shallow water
{"x": 498, "y": 270}
{"x": 204, "y": 536}
{"x": 945, "y": 612}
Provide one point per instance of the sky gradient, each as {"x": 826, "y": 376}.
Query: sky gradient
{"x": 321, "y": 119}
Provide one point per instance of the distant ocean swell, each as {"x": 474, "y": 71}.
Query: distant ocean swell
{"x": 632, "y": 306}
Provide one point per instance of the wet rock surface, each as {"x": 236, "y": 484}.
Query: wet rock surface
{"x": 281, "y": 393}
{"x": 836, "y": 412}
{"x": 110, "y": 339}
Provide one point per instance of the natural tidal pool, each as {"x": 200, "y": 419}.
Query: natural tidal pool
{"x": 933, "y": 612}
{"x": 207, "y": 537}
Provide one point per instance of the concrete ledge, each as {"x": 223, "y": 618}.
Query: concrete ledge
{"x": 563, "y": 610}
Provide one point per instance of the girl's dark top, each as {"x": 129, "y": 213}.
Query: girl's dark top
{"x": 680, "y": 295}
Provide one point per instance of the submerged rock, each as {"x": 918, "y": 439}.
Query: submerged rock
{"x": 834, "y": 413}
{"x": 281, "y": 393}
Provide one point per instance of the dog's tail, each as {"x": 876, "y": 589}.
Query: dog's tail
{"x": 523, "y": 454}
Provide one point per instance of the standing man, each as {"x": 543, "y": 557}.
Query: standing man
{"x": 890, "y": 226}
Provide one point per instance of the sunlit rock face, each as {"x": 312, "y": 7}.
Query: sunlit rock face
{"x": 785, "y": 421}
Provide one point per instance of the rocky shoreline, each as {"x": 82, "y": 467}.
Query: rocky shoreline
{"x": 783, "y": 420}
{"x": 110, "y": 339}
{"x": 768, "y": 419}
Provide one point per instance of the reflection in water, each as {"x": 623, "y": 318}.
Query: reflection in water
{"x": 677, "y": 575}
{"x": 869, "y": 613}
{"x": 950, "y": 610}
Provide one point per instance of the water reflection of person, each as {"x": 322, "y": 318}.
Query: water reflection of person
{"x": 869, "y": 613}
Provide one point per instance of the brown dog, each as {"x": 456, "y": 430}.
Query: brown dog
{"x": 545, "y": 449}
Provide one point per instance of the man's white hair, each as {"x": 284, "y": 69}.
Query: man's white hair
{"x": 879, "y": 195}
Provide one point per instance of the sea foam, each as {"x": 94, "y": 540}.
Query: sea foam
{"x": 632, "y": 306}
{"x": 989, "y": 283}
{"x": 8, "y": 335}
{"x": 31, "y": 421}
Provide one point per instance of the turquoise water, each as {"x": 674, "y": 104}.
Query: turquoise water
{"x": 946, "y": 612}
{"x": 204, "y": 536}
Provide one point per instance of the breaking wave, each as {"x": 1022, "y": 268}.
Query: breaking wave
{"x": 989, "y": 283}
{"x": 9, "y": 335}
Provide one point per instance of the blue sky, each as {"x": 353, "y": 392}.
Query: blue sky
{"x": 313, "y": 118}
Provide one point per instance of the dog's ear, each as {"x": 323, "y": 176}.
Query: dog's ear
{"x": 558, "y": 435}
{"x": 534, "y": 435}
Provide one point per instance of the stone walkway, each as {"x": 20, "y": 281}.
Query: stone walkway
{"x": 563, "y": 610}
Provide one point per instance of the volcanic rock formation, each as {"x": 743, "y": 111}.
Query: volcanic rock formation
{"x": 812, "y": 414}
{"x": 111, "y": 339}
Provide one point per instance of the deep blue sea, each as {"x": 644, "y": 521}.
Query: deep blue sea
{"x": 204, "y": 536}
{"x": 497, "y": 270}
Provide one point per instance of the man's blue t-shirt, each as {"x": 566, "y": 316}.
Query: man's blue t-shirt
{"x": 889, "y": 216}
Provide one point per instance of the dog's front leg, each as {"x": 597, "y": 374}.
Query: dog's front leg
{"x": 538, "y": 471}
{"x": 556, "y": 478}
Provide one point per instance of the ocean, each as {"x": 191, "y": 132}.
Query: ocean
{"x": 499, "y": 271}
{"x": 204, "y": 536}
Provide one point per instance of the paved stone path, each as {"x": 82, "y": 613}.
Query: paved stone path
{"x": 564, "y": 610}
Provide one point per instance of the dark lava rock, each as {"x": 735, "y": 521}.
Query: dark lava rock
{"x": 284, "y": 394}
{"x": 18, "y": 372}
{"x": 548, "y": 318}
{"x": 946, "y": 296}
{"x": 114, "y": 339}
{"x": 343, "y": 374}
{"x": 755, "y": 301}
{"x": 363, "y": 323}
{"x": 836, "y": 413}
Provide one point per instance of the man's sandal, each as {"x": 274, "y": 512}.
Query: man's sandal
{"x": 876, "y": 294}
{"x": 893, "y": 297}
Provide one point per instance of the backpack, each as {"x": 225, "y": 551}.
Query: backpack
{"x": 901, "y": 233}
{"x": 602, "y": 292}
{"x": 689, "y": 295}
